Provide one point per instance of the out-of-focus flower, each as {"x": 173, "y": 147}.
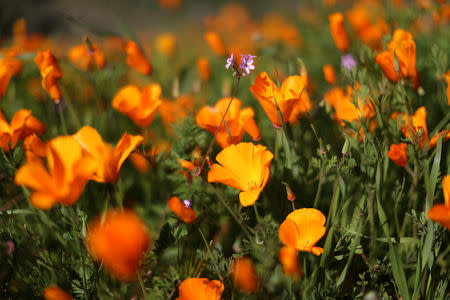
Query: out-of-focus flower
{"x": 175, "y": 111}
{"x": 200, "y": 289}
{"x": 339, "y": 32}
{"x": 34, "y": 147}
{"x": 328, "y": 73}
{"x": 244, "y": 275}
{"x": 51, "y": 73}
{"x": 69, "y": 169}
{"x": 203, "y": 68}
{"x": 22, "y": 125}
{"x": 447, "y": 80}
{"x": 55, "y": 293}
{"x": 270, "y": 96}
{"x": 23, "y": 42}
{"x": 441, "y": 212}
{"x": 184, "y": 212}
{"x": 302, "y": 229}
{"x": 108, "y": 160}
{"x": 85, "y": 55}
{"x": 398, "y": 154}
{"x": 170, "y": 4}
{"x": 139, "y": 106}
{"x": 9, "y": 66}
{"x": 166, "y": 44}
{"x": 136, "y": 59}
{"x": 244, "y": 166}
{"x": 289, "y": 260}
{"x": 237, "y": 120}
{"x": 140, "y": 162}
{"x": 119, "y": 240}
{"x": 275, "y": 29}
{"x": 348, "y": 61}
{"x": 215, "y": 42}
{"x": 34, "y": 88}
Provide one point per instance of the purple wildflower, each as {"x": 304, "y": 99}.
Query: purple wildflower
{"x": 247, "y": 64}
{"x": 348, "y": 61}
{"x": 187, "y": 203}
{"x": 230, "y": 61}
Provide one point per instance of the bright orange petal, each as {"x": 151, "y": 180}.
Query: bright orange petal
{"x": 441, "y": 214}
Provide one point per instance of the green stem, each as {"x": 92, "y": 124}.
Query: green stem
{"x": 63, "y": 121}
{"x": 141, "y": 283}
{"x": 319, "y": 187}
{"x": 256, "y": 214}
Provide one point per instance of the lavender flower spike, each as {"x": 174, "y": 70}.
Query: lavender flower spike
{"x": 348, "y": 61}
{"x": 230, "y": 61}
{"x": 247, "y": 64}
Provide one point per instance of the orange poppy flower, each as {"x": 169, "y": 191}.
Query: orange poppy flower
{"x": 108, "y": 161}
{"x": 287, "y": 97}
{"x": 68, "y": 172}
{"x": 55, "y": 293}
{"x": 347, "y": 111}
{"x": 140, "y": 162}
{"x": 139, "y": 106}
{"x": 22, "y": 125}
{"x": 34, "y": 147}
{"x": 237, "y": 120}
{"x": 334, "y": 96}
{"x": 244, "y": 275}
{"x": 203, "y": 68}
{"x": 289, "y": 259}
{"x": 50, "y": 72}
{"x": 215, "y": 42}
{"x": 398, "y": 154}
{"x": 200, "y": 289}
{"x": 329, "y": 74}
{"x": 339, "y": 32}
{"x": 385, "y": 60}
{"x": 136, "y": 59}
{"x": 244, "y": 166}
{"x": 302, "y": 229}
{"x": 166, "y": 44}
{"x": 441, "y": 212}
{"x": 119, "y": 240}
{"x": 170, "y": 4}
{"x": 447, "y": 79}
{"x": 185, "y": 213}
{"x": 175, "y": 111}
{"x": 9, "y": 66}
{"x": 84, "y": 57}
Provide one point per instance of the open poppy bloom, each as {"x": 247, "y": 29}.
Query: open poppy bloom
{"x": 119, "y": 239}
{"x": 55, "y": 293}
{"x": 339, "y": 32}
{"x": 84, "y": 56}
{"x": 9, "y": 66}
{"x": 139, "y": 106}
{"x": 302, "y": 229}
{"x": 244, "y": 275}
{"x": 69, "y": 169}
{"x": 245, "y": 167}
{"x": 237, "y": 120}
{"x": 289, "y": 259}
{"x": 269, "y": 96}
{"x": 182, "y": 210}
{"x": 200, "y": 289}
{"x": 398, "y": 154}
{"x": 22, "y": 125}
{"x": 136, "y": 59}
{"x": 34, "y": 147}
{"x": 441, "y": 212}
{"x": 108, "y": 160}
{"x": 51, "y": 73}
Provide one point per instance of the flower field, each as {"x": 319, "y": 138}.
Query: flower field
{"x": 297, "y": 154}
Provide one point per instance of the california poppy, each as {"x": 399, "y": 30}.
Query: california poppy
{"x": 136, "y": 59}
{"x": 441, "y": 212}
{"x": 244, "y": 275}
{"x": 166, "y": 44}
{"x": 204, "y": 68}
{"x": 139, "y": 106}
{"x": 119, "y": 240}
{"x": 447, "y": 80}
{"x": 34, "y": 147}
{"x": 63, "y": 182}
{"x": 51, "y": 73}
{"x": 140, "y": 162}
{"x": 398, "y": 154}
{"x": 84, "y": 56}
{"x": 302, "y": 229}
{"x": 55, "y": 293}
{"x": 175, "y": 111}
{"x": 200, "y": 289}
{"x": 9, "y": 66}
{"x": 215, "y": 42}
{"x": 289, "y": 260}
{"x": 328, "y": 73}
{"x": 183, "y": 211}
{"x": 244, "y": 166}
{"x": 270, "y": 96}
{"x": 339, "y": 32}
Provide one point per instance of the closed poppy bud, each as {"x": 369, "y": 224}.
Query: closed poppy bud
{"x": 244, "y": 275}
{"x": 398, "y": 154}
{"x": 339, "y": 32}
{"x": 186, "y": 164}
{"x": 289, "y": 259}
{"x": 86, "y": 54}
{"x": 385, "y": 60}
{"x": 50, "y": 73}
{"x": 136, "y": 59}
{"x": 204, "y": 68}
{"x": 329, "y": 75}
{"x": 55, "y": 293}
{"x": 166, "y": 44}
{"x": 200, "y": 289}
{"x": 119, "y": 240}
{"x": 140, "y": 162}
{"x": 182, "y": 210}
{"x": 441, "y": 212}
{"x": 215, "y": 42}
{"x": 290, "y": 194}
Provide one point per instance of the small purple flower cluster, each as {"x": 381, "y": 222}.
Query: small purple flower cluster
{"x": 245, "y": 66}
